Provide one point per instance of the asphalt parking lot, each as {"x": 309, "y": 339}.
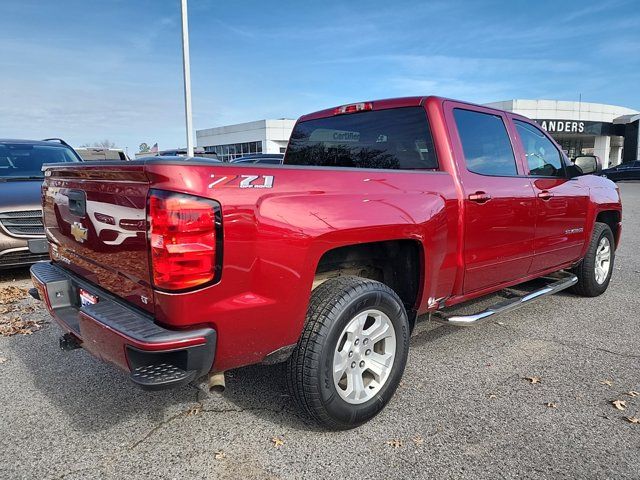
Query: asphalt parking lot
{"x": 465, "y": 408}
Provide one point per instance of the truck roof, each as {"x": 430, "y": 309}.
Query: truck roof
{"x": 386, "y": 103}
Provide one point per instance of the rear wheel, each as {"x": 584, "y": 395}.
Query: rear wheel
{"x": 352, "y": 352}
{"x": 594, "y": 272}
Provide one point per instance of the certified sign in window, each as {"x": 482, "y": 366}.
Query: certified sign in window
{"x": 338, "y": 136}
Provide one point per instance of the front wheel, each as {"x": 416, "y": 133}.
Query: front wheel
{"x": 594, "y": 272}
{"x": 352, "y": 352}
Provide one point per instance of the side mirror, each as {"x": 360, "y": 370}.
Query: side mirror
{"x": 589, "y": 164}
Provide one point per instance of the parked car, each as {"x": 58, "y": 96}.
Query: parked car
{"x": 89, "y": 154}
{"x": 178, "y": 152}
{"x": 266, "y": 158}
{"x": 624, "y": 171}
{"x": 382, "y": 211}
{"x": 21, "y": 231}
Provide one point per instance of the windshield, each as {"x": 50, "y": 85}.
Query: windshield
{"x": 397, "y": 138}
{"x": 22, "y": 160}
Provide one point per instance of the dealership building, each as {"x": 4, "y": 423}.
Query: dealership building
{"x": 233, "y": 141}
{"x": 582, "y": 128}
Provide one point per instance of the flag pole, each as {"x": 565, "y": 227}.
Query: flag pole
{"x": 186, "y": 67}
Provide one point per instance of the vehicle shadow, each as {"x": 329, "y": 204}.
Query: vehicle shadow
{"x": 261, "y": 390}
{"x": 92, "y": 395}
{"x": 9, "y": 275}
{"x": 95, "y": 396}
{"x": 427, "y": 331}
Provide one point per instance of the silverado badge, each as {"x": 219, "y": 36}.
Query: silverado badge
{"x": 78, "y": 232}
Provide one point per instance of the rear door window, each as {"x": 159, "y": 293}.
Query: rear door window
{"x": 485, "y": 142}
{"x": 397, "y": 138}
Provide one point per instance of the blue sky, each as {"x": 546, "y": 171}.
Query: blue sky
{"x": 95, "y": 69}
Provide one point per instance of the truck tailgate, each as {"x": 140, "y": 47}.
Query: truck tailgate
{"x": 95, "y": 221}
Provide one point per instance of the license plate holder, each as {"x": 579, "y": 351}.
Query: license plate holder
{"x": 87, "y": 298}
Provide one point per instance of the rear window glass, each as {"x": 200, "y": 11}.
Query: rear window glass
{"x": 23, "y": 160}
{"x": 395, "y": 139}
{"x": 485, "y": 142}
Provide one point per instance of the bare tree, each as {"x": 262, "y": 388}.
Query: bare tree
{"x": 106, "y": 143}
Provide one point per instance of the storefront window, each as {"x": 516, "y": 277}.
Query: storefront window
{"x": 234, "y": 150}
{"x": 575, "y": 146}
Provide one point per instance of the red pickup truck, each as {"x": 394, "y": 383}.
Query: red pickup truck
{"x": 179, "y": 269}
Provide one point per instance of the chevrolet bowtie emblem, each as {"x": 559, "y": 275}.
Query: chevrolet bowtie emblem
{"x": 78, "y": 232}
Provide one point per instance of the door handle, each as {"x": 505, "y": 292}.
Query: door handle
{"x": 545, "y": 195}
{"x": 480, "y": 197}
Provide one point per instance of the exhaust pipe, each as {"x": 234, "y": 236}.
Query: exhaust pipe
{"x": 216, "y": 382}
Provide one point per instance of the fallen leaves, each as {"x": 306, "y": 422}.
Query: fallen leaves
{"x": 219, "y": 455}
{"x": 2, "y": 360}
{"x": 533, "y": 379}
{"x": 418, "y": 440}
{"x": 551, "y": 405}
{"x": 492, "y": 396}
{"x": 14, "y": 317}
{"x": 608, "y": 383}
{"x": 633, "y": 393}
{"x": 619, "y": 404}
{"x": 394, "y": 443}
{"x": 15, "y": 325}
{"x": 11, "y": 294}
{"x": 277, "y": 442}
{"x": 634, "y": 420}
{"x": 195, "y": 410}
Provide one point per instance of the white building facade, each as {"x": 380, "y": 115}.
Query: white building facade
{"x": 582, "y": 128}
{"x": 234, "y": 141}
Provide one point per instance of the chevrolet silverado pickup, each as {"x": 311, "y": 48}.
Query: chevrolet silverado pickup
{"x": 176, "y": 271}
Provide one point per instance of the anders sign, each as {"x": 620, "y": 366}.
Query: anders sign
{"x": 577, "y": 127}
{"x": 562, "y": 126}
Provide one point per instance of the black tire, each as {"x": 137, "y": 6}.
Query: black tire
{"x": 587, "y": 285}
{"x": 309, "y": 370}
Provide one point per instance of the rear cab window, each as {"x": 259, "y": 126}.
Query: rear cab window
{"x": 397, "y": 138}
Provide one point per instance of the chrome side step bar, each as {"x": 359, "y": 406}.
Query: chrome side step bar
{"x": 562, "y": 281}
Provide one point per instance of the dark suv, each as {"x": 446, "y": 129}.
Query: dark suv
{"x": 21, "y": 230}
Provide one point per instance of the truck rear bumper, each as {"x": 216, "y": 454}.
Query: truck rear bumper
{"x": 157, "y": 358}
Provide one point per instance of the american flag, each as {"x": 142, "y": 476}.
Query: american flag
{"x": 154, "y": 149}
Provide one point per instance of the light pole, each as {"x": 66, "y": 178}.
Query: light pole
{"x": 186, "y": 67}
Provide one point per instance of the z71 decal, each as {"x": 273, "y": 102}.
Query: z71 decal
{"x": 242, "y": 181}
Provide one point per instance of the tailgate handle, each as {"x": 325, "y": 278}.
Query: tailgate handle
{"x": 77, "y": 202}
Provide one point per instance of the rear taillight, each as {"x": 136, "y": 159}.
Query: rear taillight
{"x": 183, "y": 240}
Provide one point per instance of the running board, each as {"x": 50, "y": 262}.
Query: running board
{"x": 557, "y": 284}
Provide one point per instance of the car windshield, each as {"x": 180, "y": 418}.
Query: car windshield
{"x": 23, "y": 160}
